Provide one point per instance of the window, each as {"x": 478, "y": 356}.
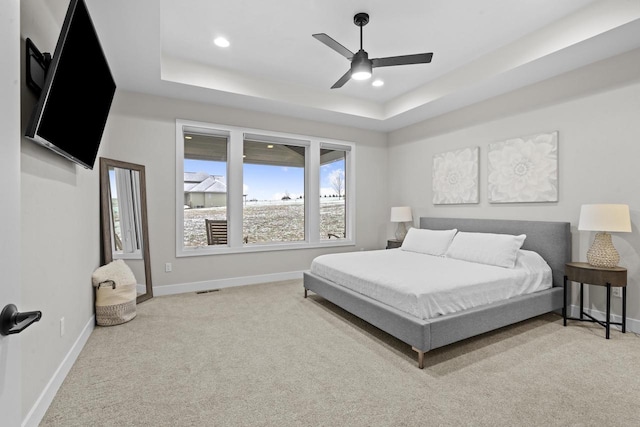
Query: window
{"x": 333, "y": 193}
{"x": 204, "y": 183}
{"x": 243, "y": 190}
{"x": 273, "y": 190}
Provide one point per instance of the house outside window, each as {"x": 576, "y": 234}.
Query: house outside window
{"x": 205, "y": 189}
{"x": 245, "y": 190}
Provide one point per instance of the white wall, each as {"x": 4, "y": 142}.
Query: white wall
{"x": 597, "y": 113}
{"x": 60, "y": 233}
{"x": 141, "y": 130}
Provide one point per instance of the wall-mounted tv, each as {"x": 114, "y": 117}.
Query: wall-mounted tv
{"x": 77, "y": 92}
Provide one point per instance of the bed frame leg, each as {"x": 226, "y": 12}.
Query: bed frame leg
{"x": 305, "y": 292}
{"x": 420, "y": 358}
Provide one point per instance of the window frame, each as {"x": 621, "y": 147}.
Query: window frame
{"x": 234, "y": 181}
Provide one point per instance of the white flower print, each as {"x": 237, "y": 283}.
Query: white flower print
{"x": 455, "y": 176}
{"x": 524, "y": 169}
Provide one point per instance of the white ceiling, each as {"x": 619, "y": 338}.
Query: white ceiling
{"x": 481, "y": 48}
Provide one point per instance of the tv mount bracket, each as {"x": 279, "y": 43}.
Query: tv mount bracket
{"x": 37, "y": 65}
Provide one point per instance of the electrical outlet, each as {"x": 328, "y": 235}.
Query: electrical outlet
{"x": 61, "y": 326}
{"x": 616, "y": 292}
{"x": 167, "y": 267}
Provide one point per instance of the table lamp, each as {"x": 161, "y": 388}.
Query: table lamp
{"x": 604, "y": 219}
{"x": 401, "y": 214}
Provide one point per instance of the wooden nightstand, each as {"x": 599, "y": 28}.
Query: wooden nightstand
{"x": 582, "y": 273}
{"x": 393, "y": 243}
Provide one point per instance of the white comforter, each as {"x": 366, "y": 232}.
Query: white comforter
{"x": 427, "y": 286}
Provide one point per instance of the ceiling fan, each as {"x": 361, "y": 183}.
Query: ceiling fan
{"x": 361, "y": 65}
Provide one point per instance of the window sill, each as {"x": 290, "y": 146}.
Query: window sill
{"x": 257, "y": 247}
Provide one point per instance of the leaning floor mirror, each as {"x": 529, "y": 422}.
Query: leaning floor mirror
{"x": 125, "y": 235}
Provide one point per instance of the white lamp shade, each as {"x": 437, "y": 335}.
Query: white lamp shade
{"x": 401, "y": 214}
{"x": 609, "y": 218}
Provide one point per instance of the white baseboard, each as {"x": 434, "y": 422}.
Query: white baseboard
{"x": 633, "y": 325}
{"x": 224, "y": 283}
{"x": 39, "y": 408}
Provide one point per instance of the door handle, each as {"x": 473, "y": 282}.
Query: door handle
{"x": 14, "y": 322}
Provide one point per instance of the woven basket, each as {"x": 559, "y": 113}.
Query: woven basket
{"x": 115, "y": 293}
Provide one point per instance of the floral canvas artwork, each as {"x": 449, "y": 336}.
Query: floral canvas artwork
{"x": 455, "y": 177}
{"x": 524, "y": 169}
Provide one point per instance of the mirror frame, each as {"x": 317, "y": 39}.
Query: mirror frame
{"x": 105, "y": 207}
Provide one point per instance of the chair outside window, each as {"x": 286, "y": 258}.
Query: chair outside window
{"x": 216, "y": 231}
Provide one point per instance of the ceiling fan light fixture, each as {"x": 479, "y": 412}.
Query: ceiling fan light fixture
{"x": 361, "y": 68}
{"x": 361, "y": 75}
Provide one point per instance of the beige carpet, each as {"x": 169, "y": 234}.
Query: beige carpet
{"x": 265, "y": 356}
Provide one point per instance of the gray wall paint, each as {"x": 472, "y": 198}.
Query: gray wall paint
{"x": 142, "y": 130}
{"x": 599, "y": 135}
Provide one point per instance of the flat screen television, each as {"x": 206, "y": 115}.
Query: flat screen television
{"x": 77, "y": 92}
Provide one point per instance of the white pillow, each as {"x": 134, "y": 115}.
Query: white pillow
{"x": 431, "y": 242}
{"x": 486, "y": 248}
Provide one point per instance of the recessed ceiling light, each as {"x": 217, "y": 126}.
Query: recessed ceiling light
{"x": 187, "y": 137}
{"x": 269, "y": 146}
{"x": 377, "y": 83}
{"x": 221, "y": 41}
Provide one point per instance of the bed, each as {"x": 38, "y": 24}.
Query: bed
{"x": 551, "y": 240}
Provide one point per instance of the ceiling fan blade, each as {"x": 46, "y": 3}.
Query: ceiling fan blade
{"x": 334, "y": 45}
{"x": 342, "y": 80}
{"x": 420, "y": 58}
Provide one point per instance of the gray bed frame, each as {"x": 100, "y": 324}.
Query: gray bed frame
{"x": 552, "y": 240}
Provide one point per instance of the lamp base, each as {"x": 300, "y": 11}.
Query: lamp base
{"x": 602, "y": 253}
{"x": 401, "y": 231}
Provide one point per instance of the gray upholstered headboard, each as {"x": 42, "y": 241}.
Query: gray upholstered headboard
{"x": 552, "y": 240}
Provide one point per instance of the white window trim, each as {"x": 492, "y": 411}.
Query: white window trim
{"x": 235, "y": 199}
